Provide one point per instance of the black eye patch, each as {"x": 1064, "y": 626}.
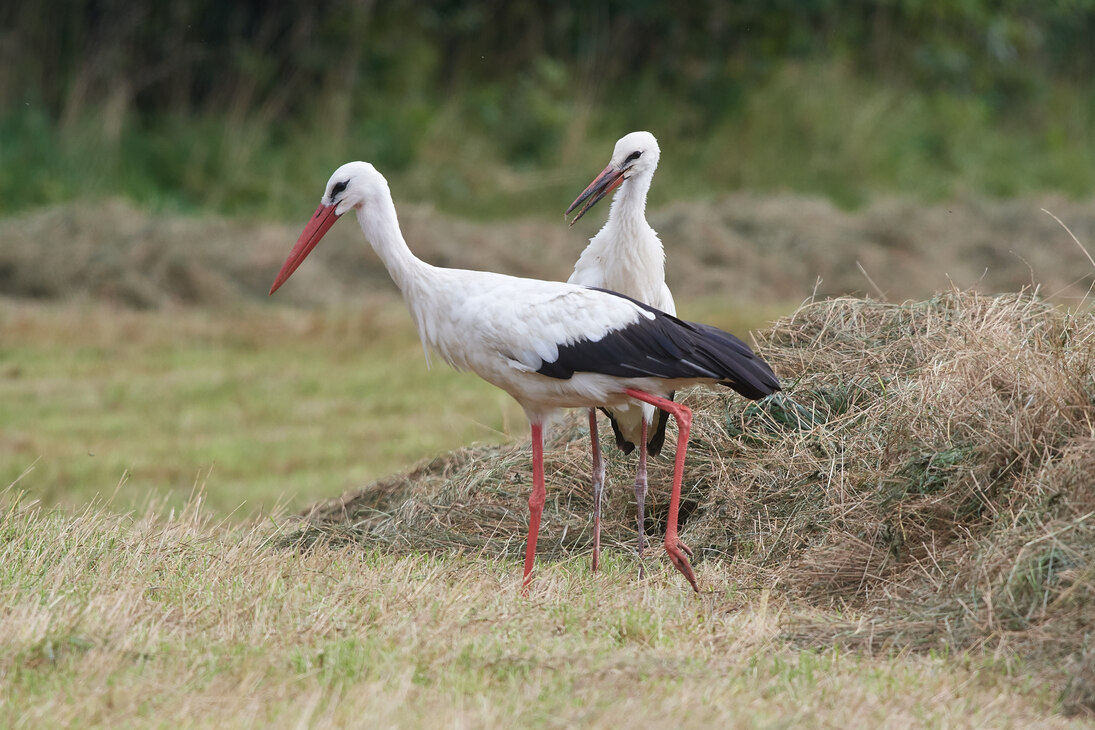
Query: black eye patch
{"x": 338, "y": 188}
{"x": 633, "y": 156}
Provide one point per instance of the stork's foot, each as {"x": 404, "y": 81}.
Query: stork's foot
{"x": 678, "y": 555}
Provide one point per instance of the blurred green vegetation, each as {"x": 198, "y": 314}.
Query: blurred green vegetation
{"x": 503, "y": 108}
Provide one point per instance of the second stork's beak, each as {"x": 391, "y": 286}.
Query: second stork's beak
{"x": 322, "y": 220}
{"x": 609, "y": 179}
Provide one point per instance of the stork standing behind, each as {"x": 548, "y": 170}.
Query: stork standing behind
{"x": 626, "y": 256}
{"x": 550, "y": 345}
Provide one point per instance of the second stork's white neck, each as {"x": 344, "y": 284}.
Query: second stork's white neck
{"x": 628, "y": 249}
{"x": 629, "y": 203}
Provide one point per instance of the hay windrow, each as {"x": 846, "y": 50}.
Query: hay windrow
{"x": 927, "y": 469}
{"x": 762, "y": 250}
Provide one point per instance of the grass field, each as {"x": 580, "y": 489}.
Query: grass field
{"x": 266, "y": 407}
{"x": 908, "y": 544}
{"x": 178, "y": 601}
{"x": 176, "y": 620}
{"x": 918, "y": 556}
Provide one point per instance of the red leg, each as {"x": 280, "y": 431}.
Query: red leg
{"x": 535, "y": 502}
{"x": 598, "y": 485}
{"x": 673, "y": 544}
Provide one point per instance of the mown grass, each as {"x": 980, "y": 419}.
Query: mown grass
{"x": 170, "y": 618}
{"x": 184, "y": 614}
{"x": 271, "y": 406}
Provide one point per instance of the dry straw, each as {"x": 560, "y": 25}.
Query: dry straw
{"x": 928, "y": 469}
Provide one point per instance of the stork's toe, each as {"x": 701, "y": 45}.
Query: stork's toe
{"x": 677, "y": 550}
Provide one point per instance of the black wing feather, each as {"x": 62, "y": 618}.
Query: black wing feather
{"x": 667, "y": 347}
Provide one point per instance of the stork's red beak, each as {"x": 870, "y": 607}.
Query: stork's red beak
{"x": 324, "y": 217}
{"x": 609, "y": 179}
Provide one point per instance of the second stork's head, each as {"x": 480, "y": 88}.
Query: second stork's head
{"x": 634, "y": 158}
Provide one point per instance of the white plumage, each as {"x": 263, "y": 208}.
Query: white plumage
{"x": 626, "y": 256}
{"x": 550, "y": 345}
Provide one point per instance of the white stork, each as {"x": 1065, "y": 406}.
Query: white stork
{"x": 550, "y": 345}
{"x": 626, "y": 256}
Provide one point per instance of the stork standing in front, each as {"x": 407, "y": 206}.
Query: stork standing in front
{"x": 550, "y": 345}
{"x": 626, "y": 256}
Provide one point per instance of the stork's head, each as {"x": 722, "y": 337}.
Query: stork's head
{"x": 635, "y": 155}
{"x": 354, "y": 185}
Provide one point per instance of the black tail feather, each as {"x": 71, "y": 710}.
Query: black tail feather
{"x": 655, "y": 437}
{"x": 621, "y": 443}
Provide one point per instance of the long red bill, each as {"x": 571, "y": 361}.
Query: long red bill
{"x": 609, "y": 179}
{"x": 322, "y": 220}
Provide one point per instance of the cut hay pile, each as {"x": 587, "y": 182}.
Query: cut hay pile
{"x": 929, "y": 470}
